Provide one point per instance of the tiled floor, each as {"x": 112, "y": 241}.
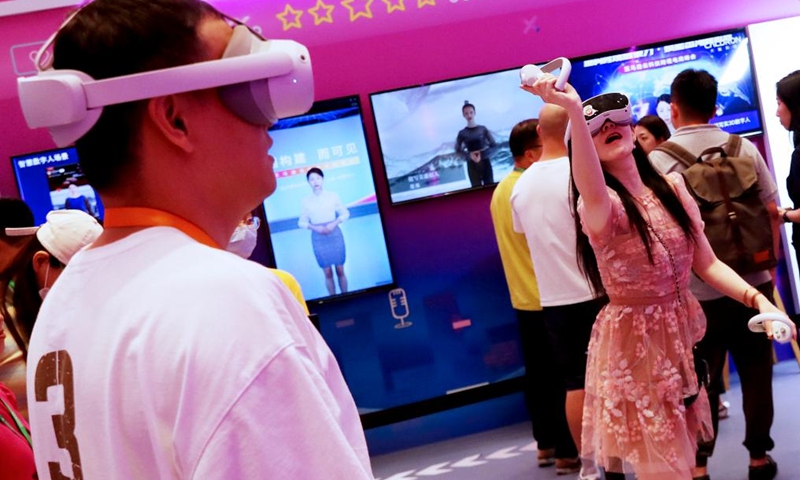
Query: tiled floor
{"x": 508, "y": 453}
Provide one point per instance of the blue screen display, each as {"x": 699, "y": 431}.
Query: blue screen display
{"x": 645, "y": 74}
{"x": 53, "y": 180}
{"x": 327, "y": 230}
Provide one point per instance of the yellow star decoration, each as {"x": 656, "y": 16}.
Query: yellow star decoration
{"x": 283, "y": 17}
{"x": 318, "y": 19}
{"x": 422, "y": 3}
{"x": 366, "y": 13}
{"x": 393, "y": 7}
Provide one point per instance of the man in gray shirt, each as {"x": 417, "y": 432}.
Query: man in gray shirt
{"x": 694, "y": 95}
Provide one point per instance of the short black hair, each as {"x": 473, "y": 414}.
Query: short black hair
{"x": 694, "y": 92}
{"x": 14, "y": 213}
{"x": 523, "y": 136}
{"x": 111, "y": 38}
{"x": 316, "y": 170}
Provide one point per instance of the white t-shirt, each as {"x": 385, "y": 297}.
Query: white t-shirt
{"x": 187, "y": 363}
{"x": 542, "y": 210}
{"x": 695, "y": 139}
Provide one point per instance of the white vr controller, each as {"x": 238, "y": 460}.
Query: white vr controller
{"x": 781, "y": 328}
{"x": 530, "y": 73}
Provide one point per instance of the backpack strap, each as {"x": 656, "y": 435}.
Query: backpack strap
{"x": 733, "y": 145}
{"x": 730, "y": 149}
{"x": 678, "y": 153}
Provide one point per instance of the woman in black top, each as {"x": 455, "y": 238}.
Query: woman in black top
{"x": 473, "y": 142}
{"x": 788, "y": 92}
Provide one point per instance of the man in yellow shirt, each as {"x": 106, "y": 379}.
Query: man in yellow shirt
{"x": 544, "y": 392}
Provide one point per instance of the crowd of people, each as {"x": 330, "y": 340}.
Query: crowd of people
{"x": 623, "y": 212}
{"x": 607, "y": 255}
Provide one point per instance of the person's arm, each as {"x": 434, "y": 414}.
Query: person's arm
{"x": 789, "y": 214}
{"x": 304, "y": 221}
{"x": 489, "y": 138}
{"x": 714, "y": 271}
{"x": 793, "y": 180}
{"x": 586, "y": 169}
{"x": 775, "y": 221}
{"x": 342, "y": 213}
{"x": 769, "y": 192}
{"x": 459, "y": 148}
{"x": 726, "y": 281}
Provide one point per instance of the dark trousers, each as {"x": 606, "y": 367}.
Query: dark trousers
{"x": 480, "y": 173}
{"x": 545, "y": 393}
{"x": 752, "y": 354}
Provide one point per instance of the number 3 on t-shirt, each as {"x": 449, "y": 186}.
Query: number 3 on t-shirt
{"x": 53, "y": 369}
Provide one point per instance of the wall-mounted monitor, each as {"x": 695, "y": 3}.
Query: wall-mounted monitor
{"x": 449, "y": 136}
{"x": 645, "y": 74}
{"x": 53, "y": 180}
{"x": 324, "y": 222}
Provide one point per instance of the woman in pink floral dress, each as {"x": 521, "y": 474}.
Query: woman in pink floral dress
{"x": 641, "y": 236}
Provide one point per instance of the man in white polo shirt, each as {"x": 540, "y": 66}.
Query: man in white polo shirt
{"x": 541, "y": 208}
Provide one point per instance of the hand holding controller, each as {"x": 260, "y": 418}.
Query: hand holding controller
{"x": 530, "y": 73}
{"x": 781, "y": 325}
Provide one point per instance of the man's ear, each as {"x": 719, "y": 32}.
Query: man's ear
{"x": 168, "y": 117}
{"x": 674, "y": 113}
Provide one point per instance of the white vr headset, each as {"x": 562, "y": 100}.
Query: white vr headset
{"x": 260, "y": 81}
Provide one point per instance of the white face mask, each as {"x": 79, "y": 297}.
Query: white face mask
{"x": 243, "y": 241}
{"x": 43, "y": 291}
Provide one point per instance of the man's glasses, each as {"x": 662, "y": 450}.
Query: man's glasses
{"x": 254, "y": 222}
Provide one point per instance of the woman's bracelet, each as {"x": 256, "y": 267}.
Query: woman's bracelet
{"x": 786, "y": 215}
{"x": 749, "y": 297}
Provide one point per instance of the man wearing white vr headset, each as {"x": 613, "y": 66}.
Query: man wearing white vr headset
{"x": 172, "y": 358}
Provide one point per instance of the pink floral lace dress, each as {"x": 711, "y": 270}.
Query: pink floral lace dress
{"x": 640, "y": 365}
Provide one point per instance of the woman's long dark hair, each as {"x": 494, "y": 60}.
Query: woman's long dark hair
{"x": 788, "y": 90}
{"x": 25, "y": 297}
{"x": 587, "y": 261}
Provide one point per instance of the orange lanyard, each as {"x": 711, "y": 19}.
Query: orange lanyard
{"x": 150, "y": 217}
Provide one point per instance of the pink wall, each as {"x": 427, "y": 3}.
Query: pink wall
{"x": 425, "y": 40}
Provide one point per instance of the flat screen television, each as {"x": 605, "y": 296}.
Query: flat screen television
{"x": 53, "y": 180}
{"x": 330, "y": 260}
{"x": 645, "y": 74}
{"x": 424, "y": 142}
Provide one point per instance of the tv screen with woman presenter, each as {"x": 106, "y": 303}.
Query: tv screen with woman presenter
{"x": 450, "y": 136}
{"x": 324, "y": 222}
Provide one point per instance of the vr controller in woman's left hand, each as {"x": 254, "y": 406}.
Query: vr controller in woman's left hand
{"x": 775, "y": 324}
